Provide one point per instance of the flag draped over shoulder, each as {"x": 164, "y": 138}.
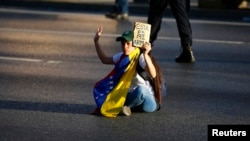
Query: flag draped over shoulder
{"x": 110, "y": 93}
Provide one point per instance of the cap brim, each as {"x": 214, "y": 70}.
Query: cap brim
{"x": 120, "y": 39}
{"x": 123, "y": 39}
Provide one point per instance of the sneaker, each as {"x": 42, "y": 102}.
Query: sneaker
{"x": 126, "y": 110}
{"x": 117, "y": 16}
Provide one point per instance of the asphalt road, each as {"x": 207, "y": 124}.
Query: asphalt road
{"x": 48, "y": 66}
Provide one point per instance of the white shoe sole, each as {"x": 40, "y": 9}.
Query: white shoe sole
{"x": 126, "y": 110}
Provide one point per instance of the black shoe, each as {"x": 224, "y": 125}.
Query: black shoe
{"x": 117, "y": 16}
{"x": 186, "y": 56}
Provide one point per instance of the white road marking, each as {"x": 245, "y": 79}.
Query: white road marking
{"x": 114, "y": 35}
{"x": 29, "y": 60}
{"x": 204, "y": 40}
{"x": 20, "y": 59}
{"x": 53, "y": 62}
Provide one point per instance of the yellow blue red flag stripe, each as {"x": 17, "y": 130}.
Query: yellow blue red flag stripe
{"x": 110, "y": 93}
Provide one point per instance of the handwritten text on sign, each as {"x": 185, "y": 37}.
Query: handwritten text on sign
{"x": 141, "y": 33}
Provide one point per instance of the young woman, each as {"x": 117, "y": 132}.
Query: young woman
{"x": 124, "y": 88}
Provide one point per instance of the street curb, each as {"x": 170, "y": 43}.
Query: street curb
{"x": 134, "y": 9}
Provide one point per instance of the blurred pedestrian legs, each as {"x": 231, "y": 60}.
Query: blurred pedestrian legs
{"x": 120, "y": 10}
{"x": 243, "y": 4}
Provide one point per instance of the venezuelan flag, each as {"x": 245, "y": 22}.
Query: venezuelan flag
{"x": 110, "y": 93}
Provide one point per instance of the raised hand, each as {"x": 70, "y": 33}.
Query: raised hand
{"x": 98, "y": 33}
{"x": 147, "y": 47}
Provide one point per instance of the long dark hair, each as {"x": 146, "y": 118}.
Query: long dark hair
{"x": 157, "y": 81}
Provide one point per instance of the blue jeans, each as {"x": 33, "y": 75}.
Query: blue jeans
{"x": 142, "y": 99}
{"x": 121, "y": 6}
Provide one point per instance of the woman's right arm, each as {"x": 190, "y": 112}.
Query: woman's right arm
{"x": 102, "y": 56}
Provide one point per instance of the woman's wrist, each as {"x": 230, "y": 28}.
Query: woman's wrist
{"x": 145, "y": 53}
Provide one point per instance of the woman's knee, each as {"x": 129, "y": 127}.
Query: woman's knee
{"x": 149, "y": 107}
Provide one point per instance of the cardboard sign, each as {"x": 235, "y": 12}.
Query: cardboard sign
{"x": 141, "y": 33}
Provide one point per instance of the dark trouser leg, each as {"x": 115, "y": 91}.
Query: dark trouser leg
{"x": 156, "y": 12}
{"x": 188, "y": 6}
{"x": 179, "y": 9}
